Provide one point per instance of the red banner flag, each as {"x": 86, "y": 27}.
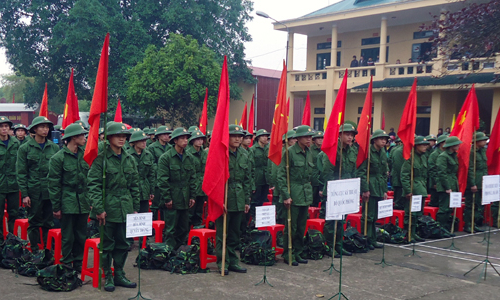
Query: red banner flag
{"x": 383, "y": 121}
{"x": 406, "y": 131}
{"x": 466, "y": 124}
{"x": 99, "y": 104}
{"x": 493, "y": 151}
{"x": 118, "y": 113}
{"x": 364, "y": 127}
{"x": 251, "y": 117}
{"x": 44, "y": 109}
{"x": 243, "y": 121}
{"x": 204, "y": 117}
{"x": 217, "y": 164}
{"x": 71, "y": 111}
{"x": 280, "y": 121}
{"x": 331, "y": 140}
{"x": 306, "y": 116}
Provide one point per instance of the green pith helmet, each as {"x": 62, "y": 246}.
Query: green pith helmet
{"x": 318, "y": 134}
{"x": 4, "y": 120}
{"x": 196, "y": 135}
{"x": 304, "y": 130}
{"x": 40, "y": 120}
{"x": 152, "y": 131}
{"x": 291, "y": 135}
{"x": 420, "y": 140}
{"x": 452, "y": 141}
{"x": 209, "y": 133}
{"x": 431, "y": 137}
{"x": 441, "y": 139}
{"x": 163, "y": 130}
{"x": 109, "y": 123}
{"x": 132, "y": 130}
{"x": 353, "y": 124}
{"x": 248, "y": 134}
{"x": 117, "y": 128}
{"x": 398, "y": 140}
{"x": 178, "y": 132}
{"x": 480, "y": 136}
{"x": 80, "y": 122}
{"x": 57, "y": 127}
{"x": 101, "y": 130}
{"x": 20, "y": 126}
{"x": 348, "y": 128}
{"x": 236, "y": 129}
{"x": 73, "y": 130}
{"x": 193, "y": 128}
{"x": 138, "y": 135}
{"x": 379, "y": 133}
{"x": 262, "y": 132}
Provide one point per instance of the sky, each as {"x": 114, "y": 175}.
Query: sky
{"x": 268, "y": 47}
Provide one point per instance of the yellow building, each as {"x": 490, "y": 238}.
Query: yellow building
{"x": 389, "y": 29}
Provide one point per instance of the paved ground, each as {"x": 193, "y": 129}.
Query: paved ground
{"x": 436, "y": 275}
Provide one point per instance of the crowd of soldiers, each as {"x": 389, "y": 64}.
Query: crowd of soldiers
{"x": 166, "y": 168}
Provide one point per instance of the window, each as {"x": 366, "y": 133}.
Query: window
{"x": 328, "y": 45}
{"x": 319, "y": 110}
{"x": 422, "y": 34}
{"x": 318, "y": 123}
{"x": 372, "y": 41}
{"x": 360, "y": 110}
{"x": 323, "y": 60}
{"x": 423, "y": 109}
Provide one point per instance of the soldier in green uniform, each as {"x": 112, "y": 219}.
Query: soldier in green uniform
{"x": 177, "y": 183}
{"x": 158, "y": 148}
{"x": 475, "y": 184}
{"x": 245, "y": 146}
{"x": 432, "y": 139}
{"x": 246, "y": 143}
{"x": 238, "y": 201}
{"x": 67, "y": 180}
{"x": 32, "y": 168}
{"x": 21, "y": 133}
{"x": 152, "y": 136}
{"x": 197, "y": 140}
{"x": 431, "y": 164}
{"x": 396, "y": 161}
{"x": 122, "y": 198}
{"x": 317, "y": 141}
{"x": 377, "y": 189}
{"x": 447, "y": 181}
{"x": 146, "y": 168}
{"x": 302, "y": 173}
{"x": 420, "y": 173}
{"x": 101, "y": 134}
{"x": 9, "y": 189}
{"x": 258, "y": 153}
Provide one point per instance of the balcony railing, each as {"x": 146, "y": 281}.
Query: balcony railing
{"x": 410, "y": 69}
{"x": 357, "y": 72}
{"x": 310, "y": 75}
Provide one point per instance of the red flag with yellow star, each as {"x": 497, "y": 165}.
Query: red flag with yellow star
{"x": 280, "y": 121}
{"x": 204, "y": 117}
{"x": 364, "y": 127}
{"x": 493, "y": 151}
{"x": 408, "y": 123}
{"x": 71, "y": 111}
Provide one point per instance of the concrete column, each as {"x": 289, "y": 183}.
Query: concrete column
{"x": 383, "y": 40}
{"x": 290, "y": 51}
{"x": 290, "y": 116}
{"x": 435, "y": 112}
{"x": 333, "y": 60}
{"x": 495, "y": 107}
{"x": 377, "y": 111}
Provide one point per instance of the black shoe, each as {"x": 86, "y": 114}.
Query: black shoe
{"x": 377, "y": 245}
{"x": 467, "y": 229}
{"x": 226, "y": 272}
{"x": 124, "y": 282}
{"x": 344, "y": 251}
{"x": 294, "y": 263}
{"x": 301, "y": 260}
{"x": 477, "y": 229}
{"x": 370, "y": 246}
{"x": 237, "y": 269}
{"x": 418, "y": 239}
{"x": 109, "y": 285}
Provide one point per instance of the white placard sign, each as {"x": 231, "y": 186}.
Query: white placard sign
{"x": 455, "y": 199}
{"x": 416, "y": 203}
{"x": 139, "y": 225}
{"x": 342, "y": 198}
{"x": 265, "y": 216}
{"x": 385, "y": 208}
{"x": 491, "y": 189}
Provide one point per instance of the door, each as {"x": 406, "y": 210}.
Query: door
{"x": 323, "y": 60}
{"x": 423, "y": 126}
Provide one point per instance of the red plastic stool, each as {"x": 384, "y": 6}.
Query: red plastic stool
{"x": 158, "y": 226}
{"x": 55, "y": 234}
{"x": 5, "y": 224}
{"x": 487, "y": 209}
{"x": 355, "y": 220}
{"x": 390, "y": 193}
{"x": 204, "y": 235}
{"x": 314, "y": 212}
{"x": 270, "y": 197}
{"x": 460, "y": 217}
{"x": 271, "y": 191}
{"x": 431, "y": 211}
{"x": 267, "y": 204}
{"x": 274, "y": 231}
{"x": 23, "y": 224}
{"x": 92, "y": 272}
{"x": 400, "y": 215}
{"x": 317, "y": 224}
{"x": 204, "y": 214}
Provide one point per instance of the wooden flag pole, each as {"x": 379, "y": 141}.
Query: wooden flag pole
{"x": 411, "y": 192}
{"x": 224, "y": 235}
{"x": 368, "y": 182}
{"x": 289, "y": 212}
{"x": 473, "y": 223}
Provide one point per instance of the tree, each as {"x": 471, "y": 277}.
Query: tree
{"x": 170, "y": 82}
{"x": 14, "y": 84}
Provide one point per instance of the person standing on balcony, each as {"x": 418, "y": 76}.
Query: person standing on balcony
{"x": 362, "y": 62}
{"x": 354, "y": 62}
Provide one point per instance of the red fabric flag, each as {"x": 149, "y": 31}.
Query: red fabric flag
{"x": 118, "y": 113}
{"x": 383, "y": 122}
{"x": 306, "y": 116}
{"x": 99, "y": 104}
{"x": 465, "y": 126}
{"x": 243, "y": 120}
{"x": 493, "y": 151}
{"x": 406, "y": 131}
{"x": 251, "y": 116}
{"x": 280, "y": 121}
{"x": 44, "y": 109}
{"x": 204, "y": 117}
{"x": 71, "y": 110}
{"x": 217, "y": 164}
{"x": 331, "y": 139}
{"x": 364, "y": 127}
{"x": 13, "y": 97}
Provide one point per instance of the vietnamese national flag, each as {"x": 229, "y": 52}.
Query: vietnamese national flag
{"x": 44, "y": 110}
{"x": 217, "y": 164}
{"x": 364, "y": 127}
{"x": 243, "y": 121}
{"x": 331, "y": 139}
{"x": 465, "y": 126}
{"x": 406, "y": 131}
{"x": 306, "y": 117}
{"x": 280, "y": 121}
{"x": 493, "y": 151}
{"x": 99, "y": 104}
{"x": 118, "y": 113}
{"x": 71, "y": 110}
{"x": 251, "y": 117}
{"x": 383, "y": 121}
{"x": 204, "y": 117}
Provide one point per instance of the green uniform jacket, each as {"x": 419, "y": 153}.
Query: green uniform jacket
{"x": 32, "y": 168}
{"x": 378, "y": 173}
{"x": 331, "y": 172}
{"x": 396, "y": 161}
{"x": 149, "y": 142}
{"x": 157, "y": 150}
{"x": 315, "y": 151}
{"x": 176, "y": 179}
{"x": 302, "y": 173}
{"x": 68, "y": 180}
{"x": 251, "y": 164}
{"x": 431, "y": 164}
{"x": 259, "y": 158}
{"x": 8, "y": 158}
{"x": 481, "y": 168}
{"x": 273, "y": 174}
{"x": 122, "y": 186}
{"x": 420, "y": 173}
{"x": 239, "y": 187}
{"x": 200, "y": 160}
{"x": 26, "y": 138}
{"x": 447, "y": 168}
{"x": 146, "y": 168}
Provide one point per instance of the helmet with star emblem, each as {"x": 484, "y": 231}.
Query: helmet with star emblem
{"x": 196, "y": 134}
{"x": 191, "y": 129}
{"x": 4, "y": 120}
{"x": 74, "y": 130}
{"x": 452, "y": 141}
{"x": 117, "y": 128}
{"x": 420, "y": 140}
{"x": 304, "y": 130}
{"x": 236, "y": 129}
{"x": 347, "y": 127}
{"x": 39, "y": 121}
{"x": 138, "y": 135}
{"x": 262, "y": 132}
{"x": 379, "y": 133}
{"x": 178, "y": 132}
